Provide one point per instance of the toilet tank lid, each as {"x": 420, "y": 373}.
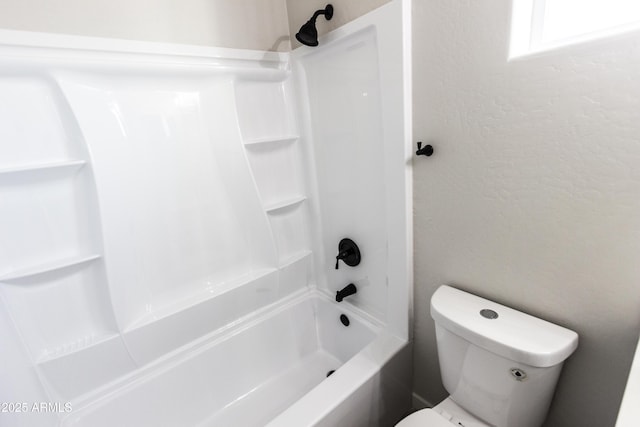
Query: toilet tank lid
{"x": 512, "y": 334}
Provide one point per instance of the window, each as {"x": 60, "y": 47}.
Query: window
{"x": 543, "y": 24}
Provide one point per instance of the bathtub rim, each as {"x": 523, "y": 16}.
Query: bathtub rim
{"x": 315, "y": 406}
{"x": 102, "y": 395}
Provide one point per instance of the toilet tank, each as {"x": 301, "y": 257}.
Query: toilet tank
{"x": 498, "y": 363}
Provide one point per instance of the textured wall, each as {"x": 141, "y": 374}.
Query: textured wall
{"x": 242, "y": 24}
{"x": 533, "y": 195}
{"x": 343, "y": 11}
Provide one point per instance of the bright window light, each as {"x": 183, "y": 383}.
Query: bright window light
{"x": 569, "y": 18}
{"x": 544, "y": 24}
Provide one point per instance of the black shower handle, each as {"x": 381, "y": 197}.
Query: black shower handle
{"x": 348, "y": 252}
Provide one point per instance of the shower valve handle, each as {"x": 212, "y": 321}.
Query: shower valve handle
{"x": 348, "y": 252}
{"x": 342, "y": 255}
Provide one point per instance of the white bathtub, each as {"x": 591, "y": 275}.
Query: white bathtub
{"x": 194, "y": 287}
{"x": 266, "y": 370}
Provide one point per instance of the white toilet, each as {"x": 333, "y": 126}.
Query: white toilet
{"x": 499, "y": 365}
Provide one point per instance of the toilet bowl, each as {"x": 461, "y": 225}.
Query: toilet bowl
{"x": 499, "y": 365}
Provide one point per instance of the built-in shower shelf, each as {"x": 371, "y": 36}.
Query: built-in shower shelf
{"x": 175, "y": 306}
{"x": 43, "y": 167}
{"x": 294, "y": 257}
{"x": 49, "y": 267}
{"x": 270, "y": 140}
{"x": 75, "y": 346}
{"x": 283, "y": 204}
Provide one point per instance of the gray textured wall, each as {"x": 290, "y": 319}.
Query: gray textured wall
{"x": 532, "y": 198}
{"x": 242, "y": 24}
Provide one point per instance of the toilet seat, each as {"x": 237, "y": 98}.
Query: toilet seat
{"x": 424, "y": 418}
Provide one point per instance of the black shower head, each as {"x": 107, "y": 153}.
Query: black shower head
{"x": 308, "y": 34}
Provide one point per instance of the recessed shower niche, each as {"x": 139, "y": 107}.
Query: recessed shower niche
{"x": 265, "y": 108}
{"x": 25, "y": 102}
{"x": 44, "y": 215}
{"x": 52, "y": 279}
{"x": 272, "y": 146}
{"x": 276, "y": 169}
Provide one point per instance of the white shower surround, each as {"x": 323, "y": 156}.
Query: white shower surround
{"x": 158, "y": 204}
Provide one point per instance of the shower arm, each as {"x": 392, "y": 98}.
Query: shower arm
{"x": 316, "y": 14}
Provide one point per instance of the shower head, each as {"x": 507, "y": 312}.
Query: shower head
{"x": 308, "y": 34}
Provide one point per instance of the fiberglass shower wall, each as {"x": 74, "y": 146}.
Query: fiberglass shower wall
{"x": 352, "y": 97}
{"x": 150, "y": 197}
{"x": 141, "y": 207}
{"x": 344, "y": 106}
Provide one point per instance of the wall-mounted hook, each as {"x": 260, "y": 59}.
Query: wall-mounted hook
{"x": 427, "y": 150}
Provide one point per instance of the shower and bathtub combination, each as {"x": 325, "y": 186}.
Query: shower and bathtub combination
{"x": 173, "y": 221}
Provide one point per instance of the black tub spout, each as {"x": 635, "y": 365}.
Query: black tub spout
{"x": 350, "y": 289}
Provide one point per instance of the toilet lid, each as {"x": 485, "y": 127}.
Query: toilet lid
{"x": 424, "y": 418}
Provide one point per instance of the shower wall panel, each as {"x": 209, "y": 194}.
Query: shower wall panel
{"x": 271, "y": 140}
{"x": 354, "y": 97}
{"x": 343, "y": 91}
{"x": 149, "y": 196}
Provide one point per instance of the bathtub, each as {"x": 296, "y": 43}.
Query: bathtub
{"x": 195, "y": 287}
{"x": 270, "y": 369}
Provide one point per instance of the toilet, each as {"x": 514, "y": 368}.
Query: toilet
{"x": 499, "y": 365}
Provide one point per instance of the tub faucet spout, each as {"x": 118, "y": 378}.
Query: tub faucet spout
{"x": 350, "y": 289}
